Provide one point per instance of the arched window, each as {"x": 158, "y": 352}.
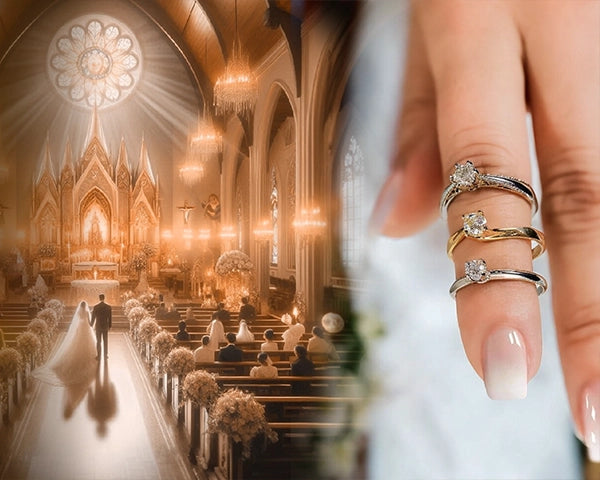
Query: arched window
{"x": 274, "y": 217}
{"x": 352, "y": 218}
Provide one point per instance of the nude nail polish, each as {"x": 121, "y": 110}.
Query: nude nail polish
{"x": 505, "y": 365}
{"x": 385, "y": 202}
{"x": 591, "y": 420}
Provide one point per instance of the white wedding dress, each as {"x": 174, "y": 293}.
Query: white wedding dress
{"x": 75, "y": 359}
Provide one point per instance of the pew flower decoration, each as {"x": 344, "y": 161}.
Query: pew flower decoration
{"x": 180, "y": 361}
{"x": 130, "y": 304}
{"x": 162, "y": 344}
{"x": 148, "y": 329}
{"x": 37, "y": 296}
{"x": 241, "y": 417}
{"x": 57, "y": 306}
{"x": 29, "y": 346}
{"x": 126, "y": 296}
{"x": 135, "y": 316}
{"x": 201, "y": 388}
{"x": 40, "y": 328}
{"x": 233, "y": 261}
{"x": 49, "y": 316}
{"x": 11, "y": 362}
{"x": 149, "y": 298}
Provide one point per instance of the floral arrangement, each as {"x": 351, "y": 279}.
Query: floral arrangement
{"x": 11, "y": 362}
{"x": 162, "y": 344}
{"x": 47, "y": 250}
{"x": 149, "y": 298}
{"x": 148, "y": 329}
{"x": 201, "y": 388}
{"x": 126, "y": 296}
{"x": 49, "y": 316}
{"x": 180, "y": 361}
{"x": 241, "y": 417}
{"x": 233, "y": 261}
{"x": 130, "y": 304}
{"x": 29, "y": 345}
{"x": 41, "y": 329}
{"x": 139, "y": 262}
{"x": 148, "y": 250}
{"x": 209, "y": 302}
{"x": 37, "y": 296}
{"x": 300, "y": 302}
{"x": 57, "y": 306}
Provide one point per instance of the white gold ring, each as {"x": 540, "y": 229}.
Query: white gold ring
{"x": 466, "y": 178}
{"x": 476, "y": 272}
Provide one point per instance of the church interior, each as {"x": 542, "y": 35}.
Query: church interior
{"x": 188, "y": 154}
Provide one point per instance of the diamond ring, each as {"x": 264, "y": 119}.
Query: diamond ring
{"x": 466, "y": 178}
{"x": 475, "y": 226}
{"x": 476, "y": 272}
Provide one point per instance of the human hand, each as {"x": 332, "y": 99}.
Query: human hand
{"x": 473, "y": 71}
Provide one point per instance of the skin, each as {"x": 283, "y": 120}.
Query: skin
{"x": 474, "y": 69}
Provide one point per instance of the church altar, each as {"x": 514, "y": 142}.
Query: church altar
{"x": 88, "y": 290}
{"x": 95, "y": 270}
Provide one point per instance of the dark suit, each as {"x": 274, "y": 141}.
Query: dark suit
{"x": 247, "y": 312}
{"x": 302, "y": 367}
{"x": 102, "y": 317}
{"x": 230, "y": 353}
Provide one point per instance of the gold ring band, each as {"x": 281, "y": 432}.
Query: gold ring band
{"x": 475, "y": 227}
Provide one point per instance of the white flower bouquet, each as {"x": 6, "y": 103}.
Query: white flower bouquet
{"x": 29, "y": 345}
{"x": 129, "y": 304}
{"x": 135, "y": 316}
{"x": 180, "y": 361}
{"x": 37, "y": 296}
{"x": 49, "y": 316}
{"x": 139, "y": 262}
{"x": 128, "y": 295}
{"x": 233, "y": 261}
{"x": 162, "y": 344}
{"x": 41, "y": 329}
{"x": 149, "y": 298}
{"x": 57, "y": 306}
{"x": 201, "y": 388}
{"x": 241, "y": 417}
{"x": 11, "y": 362}
{"x": 148, "y": 329}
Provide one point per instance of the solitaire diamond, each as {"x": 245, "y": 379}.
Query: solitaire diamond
{"x": 476, "y": 271}
{"x": 464, "y": 176}
{"x": 474, "y": 224}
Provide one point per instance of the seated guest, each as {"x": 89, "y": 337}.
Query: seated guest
{"x": 204, "y": 353}
{"x": 292, "y": 335}
{"x": 182, "y": 334}
{"x": 301, "y": 367}
{"x": 247, "y": 311}
{"x": 216, "y": 332}
{"x": 318, "y": 344}
{"x": 161, "y": 311}
{"x": 244, "y": 334}
{"x": 230, "y": 353}
{"x": 172, "y": 313}
{"x": 189, "y": 314}
{"x": 265, "y": 369}
{"x": 221, "y": 313}
{"x": 270, "y": 345}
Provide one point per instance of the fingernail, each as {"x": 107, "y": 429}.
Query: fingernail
{"x": 505, "y": 365}
{"x": 591, "y": 421}
{"x": 385, "y": 202}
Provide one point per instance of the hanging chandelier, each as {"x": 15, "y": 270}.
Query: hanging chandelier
{"x": 236, "y": 90}
{"x": 192, "y": 171}
{"x": 207, "y": 140}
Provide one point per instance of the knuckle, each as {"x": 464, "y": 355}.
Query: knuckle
{"x": 582, "y": 327}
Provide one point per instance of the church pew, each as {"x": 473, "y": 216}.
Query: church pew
{"x": 243, "y": 368}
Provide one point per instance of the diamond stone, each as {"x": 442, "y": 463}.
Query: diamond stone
{"x": 474, "y": 224}
{"x": 464, "y": 176}
{"x": 476, "y": 271}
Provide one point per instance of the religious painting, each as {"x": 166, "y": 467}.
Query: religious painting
{"x": 212, "y": 208}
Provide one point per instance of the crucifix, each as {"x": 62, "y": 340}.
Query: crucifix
{"x": 186, "y": 209}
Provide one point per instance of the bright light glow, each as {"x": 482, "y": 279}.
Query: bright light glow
{"x": 310, "y": 223}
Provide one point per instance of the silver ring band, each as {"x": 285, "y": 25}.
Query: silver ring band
{"x": 476, "y": 272}
{"x": 466, "y": 178}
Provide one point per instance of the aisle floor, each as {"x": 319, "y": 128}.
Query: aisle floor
{"x": 114, "y": 427}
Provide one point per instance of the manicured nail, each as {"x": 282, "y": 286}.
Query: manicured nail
{"x": 505, "y": 365}
{"x": 385, "y": 202}
{"x": 591, "y": 420}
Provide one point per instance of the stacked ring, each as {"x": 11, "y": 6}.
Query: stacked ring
{"x": 476, "y": 272}
{"x": 466, "y": 178}
{"x": 475, "y": 226}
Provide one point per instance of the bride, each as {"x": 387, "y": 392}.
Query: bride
{"x": 75, "y": 359}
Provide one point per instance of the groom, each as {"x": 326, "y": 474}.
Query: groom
{"x": 102, "y": 317}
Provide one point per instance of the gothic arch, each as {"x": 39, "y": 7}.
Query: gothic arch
{"x": 95, "y": 218}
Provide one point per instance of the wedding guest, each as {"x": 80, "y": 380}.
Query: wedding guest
{"x": 216, "y": 333}
{"x": 301, "y": 367}
{"x": 319, "y": 344}
{"x": 244, "y": 334}
{"x": 161, "y": 311}
{"x": 293, "y": 335}
{"x": 270, "y": 345}
{"x": 204, "y": 354}
{"x": 230, "y": 353}
{"x": 189, "y": 314}
{"x": 247, "y": 311}
{"x": 265, "y": 369}
{"x": 182, "y": 334}
{"x": 221, "y": 313}
{"x": 172, "y": 313}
